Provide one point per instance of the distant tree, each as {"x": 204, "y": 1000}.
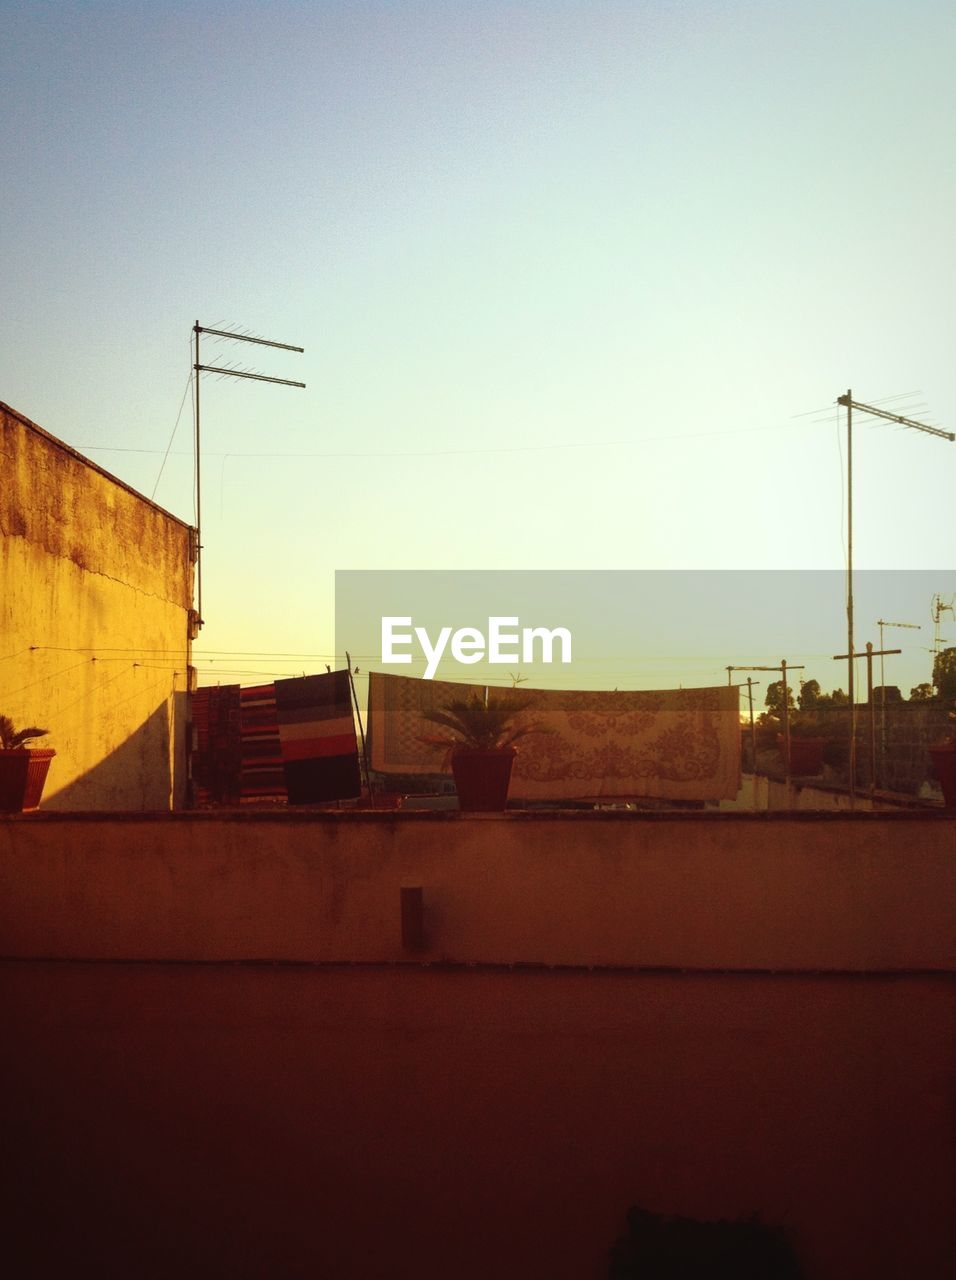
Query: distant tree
{"x": 922, "y": 693}
{"x": 838, "y": 698}
{"x": 774, "y": 698}
{"x": 944, "y": 674}
{"x": 887, "y": 693}
{"x": 809, "y": 695}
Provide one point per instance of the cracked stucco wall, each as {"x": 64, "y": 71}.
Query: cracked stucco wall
{"x": 95, "y": 591}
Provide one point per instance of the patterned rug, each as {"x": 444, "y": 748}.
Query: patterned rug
{"x": 671, "y": 744}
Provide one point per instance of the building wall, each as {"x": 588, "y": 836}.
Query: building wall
{"x": 97, "y": 586}
{"x": 223, "y": 1060}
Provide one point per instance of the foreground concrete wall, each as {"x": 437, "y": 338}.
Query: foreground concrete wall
{"x": 96, "y": 589}
{"x": 724, "y": 891}
{"x": 261, "y": 1121}
{"x": 274, "y": 1086}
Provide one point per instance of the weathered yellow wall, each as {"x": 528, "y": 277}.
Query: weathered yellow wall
{"x": 95, "y": 589}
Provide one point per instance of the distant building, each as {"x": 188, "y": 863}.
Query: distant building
{"x": 96, "y": 586}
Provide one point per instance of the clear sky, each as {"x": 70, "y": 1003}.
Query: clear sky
{"x": 571, "y": 279}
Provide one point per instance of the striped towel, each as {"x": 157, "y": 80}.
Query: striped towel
{"x": 216, "y": 745}
{"x": 262, "y": 776}
{"x": 316, "y": 734}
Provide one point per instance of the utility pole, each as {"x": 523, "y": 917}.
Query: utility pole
{"x": 198, "y": 368}
{"x": 912, "y": 626}
{"x": 783, "y": 669}
{"x": 869, "y": 653}
{"x": 850, "y": 405}
{"x": 937, "y": 614}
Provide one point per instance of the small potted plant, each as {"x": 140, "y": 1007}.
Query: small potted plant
{"x": 806, "y": 745}
{"x": 23, "y": 769}
{"x": 480, "y": 748}
{"x": 944, "y": 761}
{"x": 944, "y": 753}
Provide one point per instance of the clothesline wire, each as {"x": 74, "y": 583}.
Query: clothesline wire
{"x": 280, "y": 655}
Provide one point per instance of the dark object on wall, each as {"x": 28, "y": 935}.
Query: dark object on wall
{"x": 413, "y": 918}
{"x": 657, "y": 1247}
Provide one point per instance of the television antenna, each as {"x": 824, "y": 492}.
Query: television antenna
{"x": 196, "y": 618}
{"x": 936, "y": 613}
{"x": 851, "y": 404}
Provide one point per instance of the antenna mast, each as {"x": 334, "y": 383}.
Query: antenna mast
{"x": 196, "y": 619}
{"x": 851, "y": 404}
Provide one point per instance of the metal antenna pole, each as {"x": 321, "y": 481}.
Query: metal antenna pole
{"x": 849, "y": 590}
{"x": 753, "y": 726}
{"x": 198, "y": 620}
{"x": 852, "y": 404}
{"x": 783, "y": 669}
{"x": 869, "y": 653}
{"x": 881, "y": 623}
{"x": 199, "y": 369}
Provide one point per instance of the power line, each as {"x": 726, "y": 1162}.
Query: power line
{"x": 455, "y": 453}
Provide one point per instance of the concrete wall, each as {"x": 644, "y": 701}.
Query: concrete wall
{"x": 222, "y": 1061}
{"x": 718, "y": 891}
{"x": 96, "y": 589}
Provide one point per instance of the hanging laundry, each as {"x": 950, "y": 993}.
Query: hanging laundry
{"x": 316, "y": 733}
{"x": 395, "y": 724}
{"x": 670, "y": 744}
{"x": 262, "y": 775}
{"x": 217, "y": 748}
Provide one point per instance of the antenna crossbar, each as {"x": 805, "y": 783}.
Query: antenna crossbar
{"x": 241, "y": 337}
{"x": 895, "y": 417}
{"x": 239, "y": 373}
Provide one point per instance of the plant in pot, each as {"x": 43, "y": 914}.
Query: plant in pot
{"x": 806, "y": 744}
{"x": 480, "y": 747}
{"x": 23, "y": 769}
{"x": 943, "y": 755}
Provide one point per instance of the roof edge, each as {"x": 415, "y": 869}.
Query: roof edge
{"x": 75, "y": 453}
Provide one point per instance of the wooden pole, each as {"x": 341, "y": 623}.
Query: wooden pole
{"x": 358, "y": 716}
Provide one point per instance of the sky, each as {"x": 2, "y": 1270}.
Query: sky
{"x": 578, "y": 287}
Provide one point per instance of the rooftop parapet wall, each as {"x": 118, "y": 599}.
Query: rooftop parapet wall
{"x": 737, "y": 892}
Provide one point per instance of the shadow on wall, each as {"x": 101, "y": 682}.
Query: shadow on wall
{"x": 142, "y": 773}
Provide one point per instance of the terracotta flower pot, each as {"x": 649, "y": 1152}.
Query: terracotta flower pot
{"x": 482, "y": 777}
{"x": 944, "y": 761}
{"x": 806, "y": 755}
{"x": 22, "y": 775}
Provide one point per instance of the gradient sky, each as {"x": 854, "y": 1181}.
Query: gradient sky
{"x": 571, "y": 279}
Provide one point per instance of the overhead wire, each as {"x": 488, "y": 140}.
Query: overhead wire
{"x": 162, "y": 465}
{"x": 620, "y": 443}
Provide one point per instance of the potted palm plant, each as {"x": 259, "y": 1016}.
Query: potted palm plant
{"x": 944, "y": 761}
{"x": 23, "y": 769}
{"x": 806, "y": 744}
{"x": 480, "y": 747}
{"x": 944, "y": 753}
